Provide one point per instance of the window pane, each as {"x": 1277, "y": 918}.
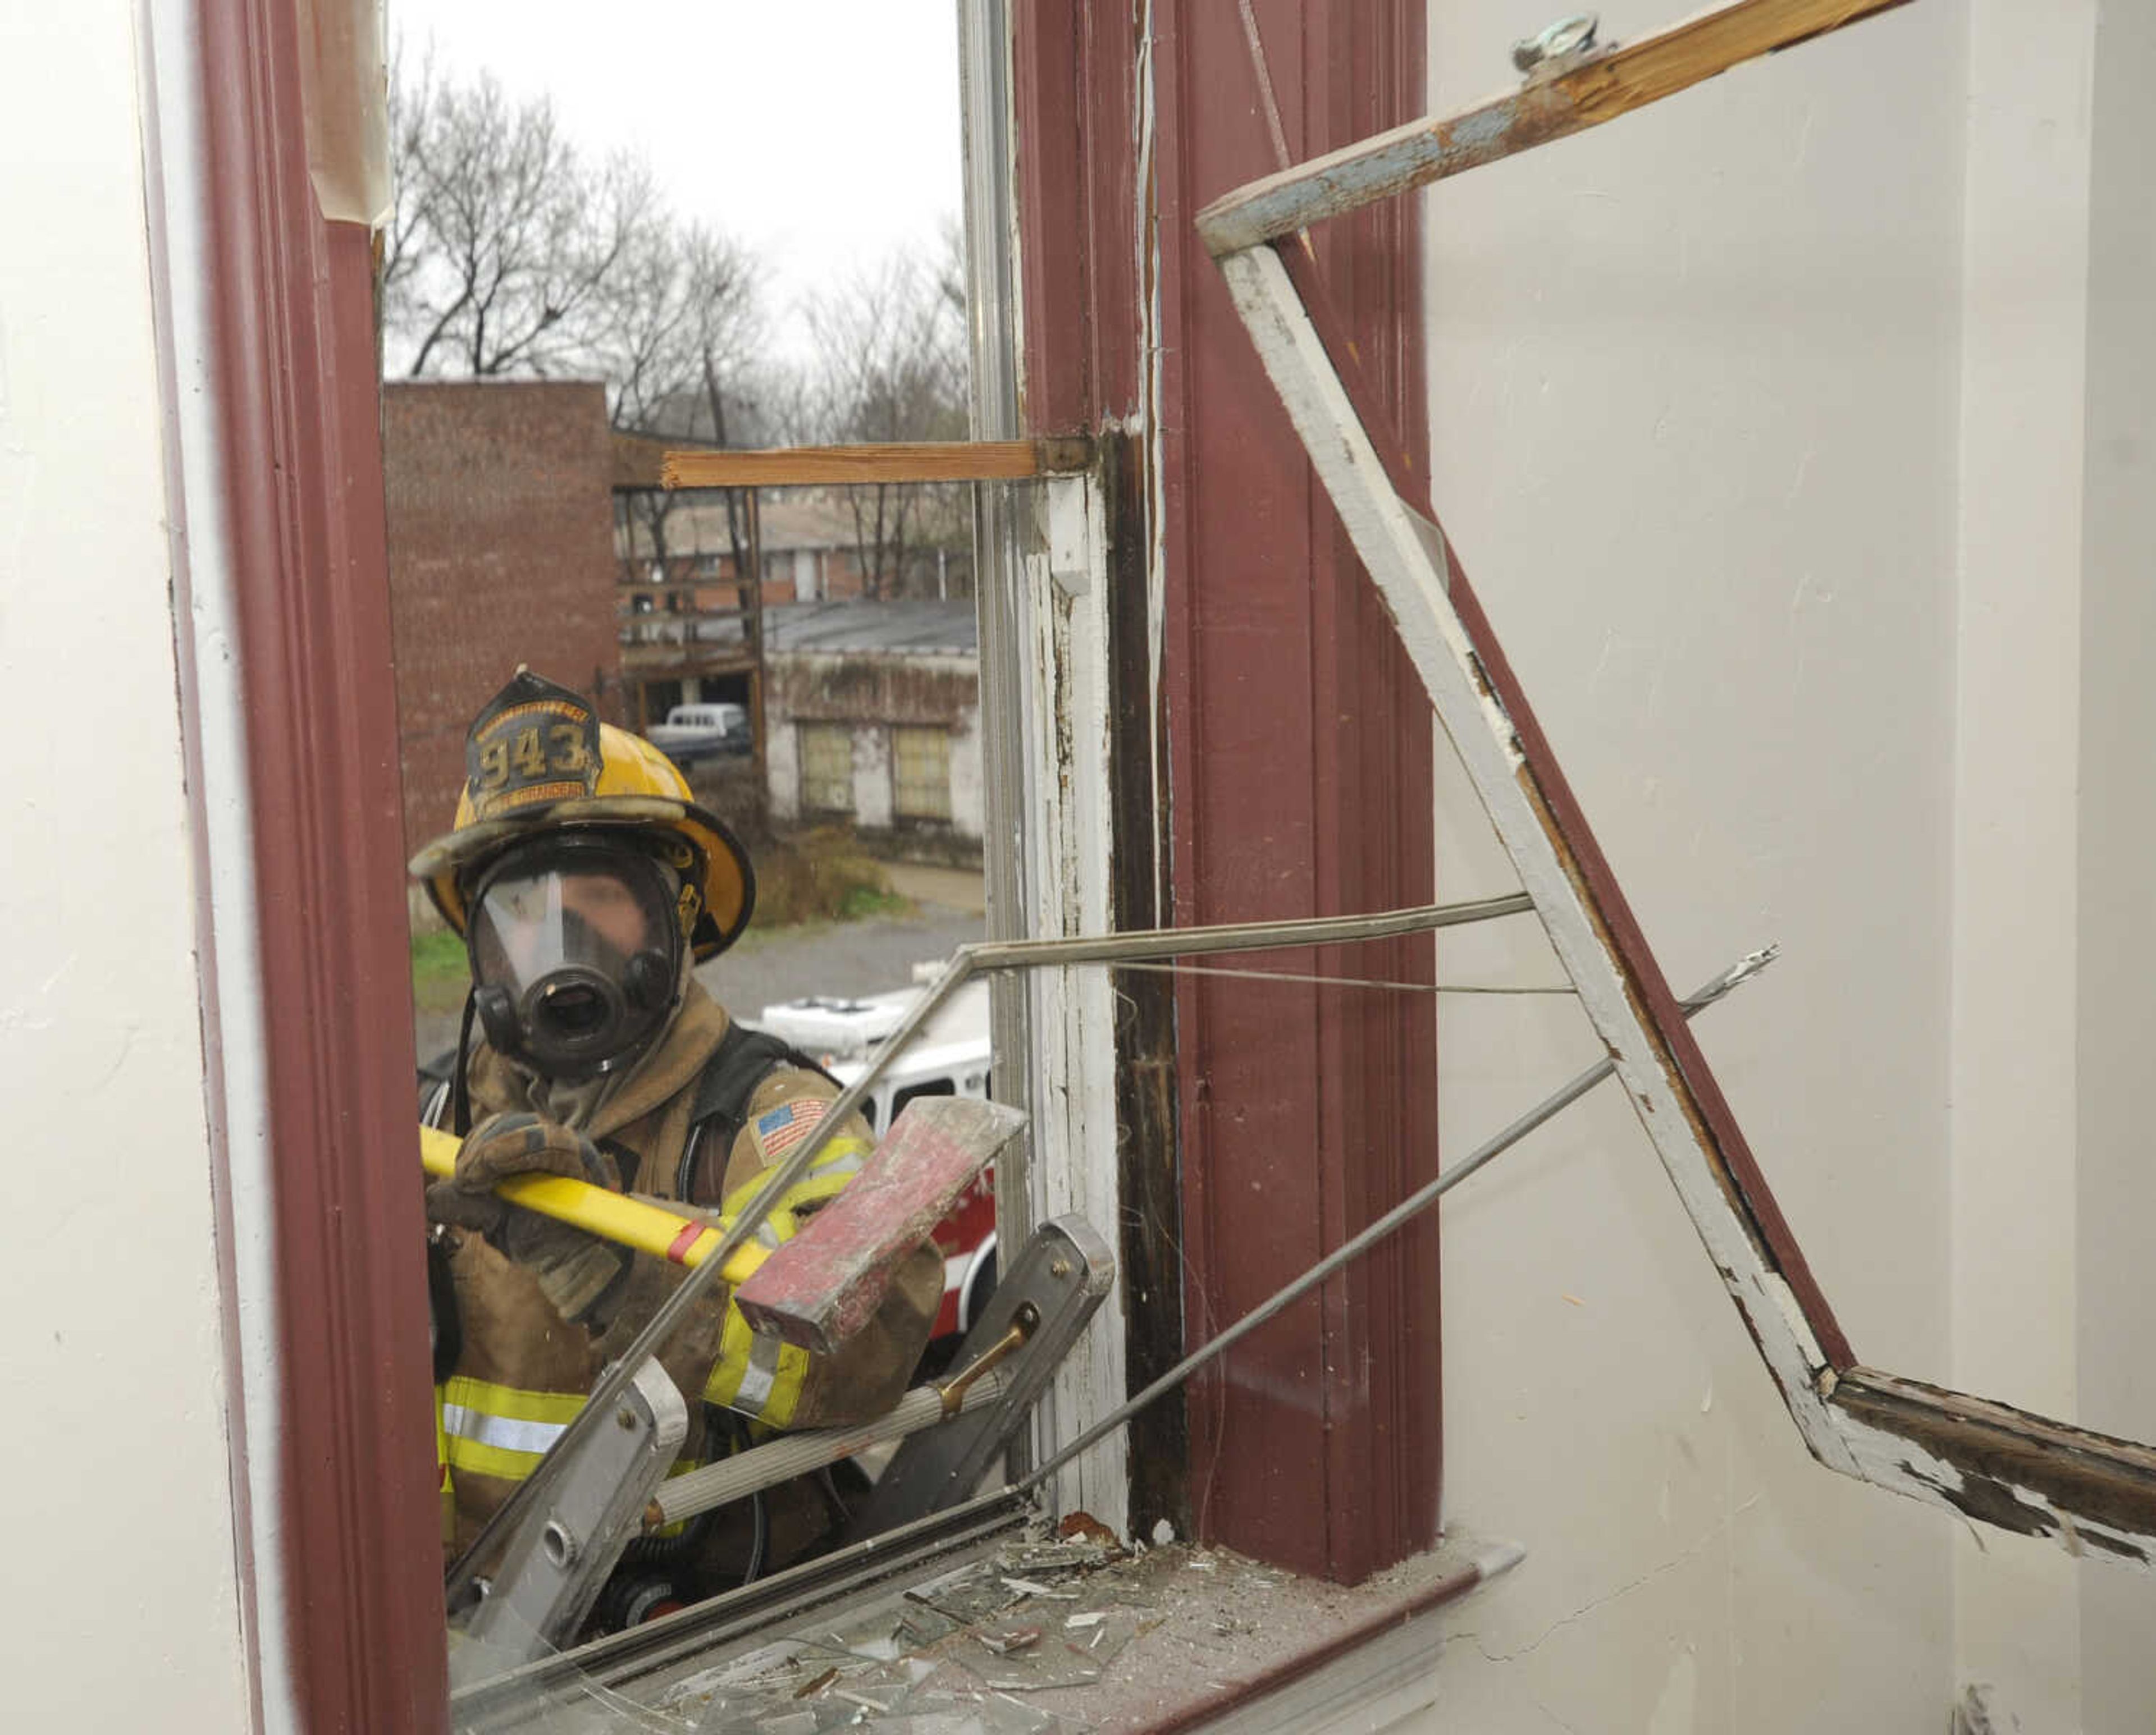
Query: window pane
{"x": 826, "y": 767}
{"x": 921, "y": 773}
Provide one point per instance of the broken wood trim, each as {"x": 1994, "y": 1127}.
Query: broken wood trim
{"x": 909, "y": 461}
{"x": 1606, "y": 82}
{"x": 2089, "y": 1492}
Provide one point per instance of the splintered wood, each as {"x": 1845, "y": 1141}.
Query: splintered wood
{"x": 916, "y": 461}
{"x": 1600, "y": 85}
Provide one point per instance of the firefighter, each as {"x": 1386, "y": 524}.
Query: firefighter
{"x": 587, "y": 885}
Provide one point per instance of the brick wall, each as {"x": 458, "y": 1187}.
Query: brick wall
{"x": 500, "y": 552}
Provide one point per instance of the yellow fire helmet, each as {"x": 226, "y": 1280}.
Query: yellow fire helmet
{"x": 537, "y": 759}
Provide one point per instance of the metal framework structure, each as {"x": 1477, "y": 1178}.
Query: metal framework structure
{"x": 2085, "y": 1491}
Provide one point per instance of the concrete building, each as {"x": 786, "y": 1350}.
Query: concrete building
{"x": 873, "y": 720}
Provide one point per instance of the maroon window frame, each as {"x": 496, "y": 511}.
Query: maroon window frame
{"x": 300, "y": 433}
{"x": 1299, "y": 754}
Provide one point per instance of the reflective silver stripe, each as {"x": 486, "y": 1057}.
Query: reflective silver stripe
{"x": 757, "y": 1379}
{"x": 483, "y": 1427}
{"x": 846, "y": 1163}
{"x": 769, "y": 1236}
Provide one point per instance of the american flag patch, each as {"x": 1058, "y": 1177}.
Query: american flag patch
{"x": 787, "y": 1125}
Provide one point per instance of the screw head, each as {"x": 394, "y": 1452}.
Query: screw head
{"x": 1565, "y": 36}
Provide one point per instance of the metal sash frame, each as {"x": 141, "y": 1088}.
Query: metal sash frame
{"x": 2085, "y": 1490}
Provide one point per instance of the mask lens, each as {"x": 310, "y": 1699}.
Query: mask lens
{"x": 573, "y": 937}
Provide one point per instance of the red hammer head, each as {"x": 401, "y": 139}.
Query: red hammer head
{"x": 827, "y": 1282}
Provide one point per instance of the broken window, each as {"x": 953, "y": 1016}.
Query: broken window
{"x": 827, "y": 768}
{"x": 920, "y": 772}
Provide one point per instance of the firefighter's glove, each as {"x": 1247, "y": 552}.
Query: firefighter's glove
{"x": 578, "y": 1272}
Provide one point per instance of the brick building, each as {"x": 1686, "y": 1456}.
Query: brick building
{"x": 501, "y": 552}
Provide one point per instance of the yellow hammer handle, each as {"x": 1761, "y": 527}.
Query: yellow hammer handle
{"x": 612, "y": 1216}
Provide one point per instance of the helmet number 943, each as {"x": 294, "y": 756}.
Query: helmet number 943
{"x": 528, "y": 758}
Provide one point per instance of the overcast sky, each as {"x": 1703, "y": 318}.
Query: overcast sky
{"x": 822, "y": 133}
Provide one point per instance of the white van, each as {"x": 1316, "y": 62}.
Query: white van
{"x": 701, "y": 731}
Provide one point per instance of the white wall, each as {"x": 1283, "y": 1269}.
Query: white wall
{"x": 120, "y": 1607}
{"x": 2115, "y": 918}
{"x": 1798, "y": 435}
{"x": 1694, "y": 385}
{"x": 2017, "y": 726}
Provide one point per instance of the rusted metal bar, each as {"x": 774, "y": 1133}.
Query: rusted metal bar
{"x": 1602, "y": 85}
{"x": 915, "y": 461}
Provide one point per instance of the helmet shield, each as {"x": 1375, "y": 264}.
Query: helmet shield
{"x": 576, "y": 952}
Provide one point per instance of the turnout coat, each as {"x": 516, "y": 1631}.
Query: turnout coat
{"x": 522, "y": 1371}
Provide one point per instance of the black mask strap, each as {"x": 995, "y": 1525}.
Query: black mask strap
{"x": 460, "y": 1085}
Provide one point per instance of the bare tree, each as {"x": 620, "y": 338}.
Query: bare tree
{"x": 510, "y": 253}
{"x": 505, "y": 239}
{"x": 890, "y": 364}
{"x": 682, "y": 329}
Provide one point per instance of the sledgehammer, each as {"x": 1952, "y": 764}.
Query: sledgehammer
{"x": 824, "y": 1284}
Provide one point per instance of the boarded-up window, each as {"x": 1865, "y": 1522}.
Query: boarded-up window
{"x": 921, "y": 773}
{"x": 827, "y": 768}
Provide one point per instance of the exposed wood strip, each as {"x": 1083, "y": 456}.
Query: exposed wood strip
{"x": 1606, "y": 85}
{"x": 909, "y": 461}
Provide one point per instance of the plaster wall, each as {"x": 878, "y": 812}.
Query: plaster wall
{"x": 2115, "y": 921}
{"x": 2018, "y": 634}
{"x": 1695, "y": 384}
{"x": 124, "y": 1611}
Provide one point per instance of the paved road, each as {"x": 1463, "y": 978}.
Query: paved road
{"x": 845, "y": 958}
{"x": 786, "y": 963}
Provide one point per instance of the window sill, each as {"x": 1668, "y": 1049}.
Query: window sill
{"x": 1008, "y": 1632}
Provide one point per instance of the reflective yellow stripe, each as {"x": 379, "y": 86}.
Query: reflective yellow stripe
{"x": 499, "y": 1430}
{"x": 502, "y": 1430}
{"x": 476, "y": 1458}
{"x": 511, "y": 1401}
{"x": 838, "y": 1163}
{"x": 757, "y": 1376}
{"x": 839, "y": 1148}
{"x": 449, "y": 1493}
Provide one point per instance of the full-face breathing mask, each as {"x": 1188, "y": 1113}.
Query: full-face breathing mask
{"x": 576, "y": 952}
